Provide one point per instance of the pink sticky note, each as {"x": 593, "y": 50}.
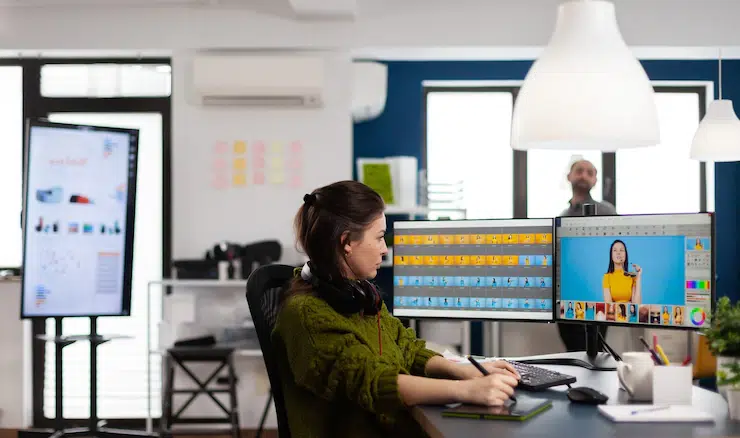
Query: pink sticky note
{"x": 221, "y": 147}
{"x": 219, "y": 164}
{"x": 294, "y": 163}
{"x": 259, "y": 178}
{"x": 259, "y": 147}
{"x": 258, "y": 162}
{"x": 220, "y": 182}
{"x": 296, "y": 147}
{"x": 296, "y": 181}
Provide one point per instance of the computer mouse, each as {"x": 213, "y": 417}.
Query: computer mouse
{"x": 586, "y": 395}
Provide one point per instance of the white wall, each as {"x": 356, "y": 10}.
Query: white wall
{"x": 203, "y": 216}
{"x": 15, "y": 359}
{"x": 424, "y": 23}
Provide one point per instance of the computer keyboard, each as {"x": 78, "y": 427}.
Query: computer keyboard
{"x": 536, "y": 379}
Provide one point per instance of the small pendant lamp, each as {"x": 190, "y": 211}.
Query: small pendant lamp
{"x": 718, "y": 136}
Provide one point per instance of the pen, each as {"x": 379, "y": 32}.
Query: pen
{"x": 686, "y": 361}
{"x": 485, "y": 373}
{"x": 657, "y": 408}
{"x": 656, "y": 359}
{"x": 662, "y": 355}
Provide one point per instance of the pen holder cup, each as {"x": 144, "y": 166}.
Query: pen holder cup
{"x": 672, "y": 385}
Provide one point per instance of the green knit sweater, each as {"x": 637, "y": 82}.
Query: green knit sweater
{"x": 339, "y": 376}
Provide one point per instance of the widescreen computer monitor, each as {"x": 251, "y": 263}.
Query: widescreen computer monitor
{"x": 473, "y": 269}
{"x": 78, "y": 240}
{"x": 647, "y": 270}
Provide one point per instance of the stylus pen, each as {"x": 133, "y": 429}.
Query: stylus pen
{"x": 485, "y": 373}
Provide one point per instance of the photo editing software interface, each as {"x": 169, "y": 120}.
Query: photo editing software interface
{"x": 643, "y": 269}
{"x": 473, "y": 269}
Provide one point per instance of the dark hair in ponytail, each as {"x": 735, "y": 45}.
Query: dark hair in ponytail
{"x": 330, "y": 217}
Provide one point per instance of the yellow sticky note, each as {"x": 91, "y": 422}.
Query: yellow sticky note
{"x": 240, "y": 147}
{"x": 240, "y": 163}
{"x": 239, "y": 179}
{"x": 277, "y": 163}
{"x": 276, "y": 147}
{"x": 276, "y": 177}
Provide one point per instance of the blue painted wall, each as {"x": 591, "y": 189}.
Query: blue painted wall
{"x": 398, "y": 131}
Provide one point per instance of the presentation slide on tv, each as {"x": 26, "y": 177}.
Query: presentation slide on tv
{"x": 75, "y": 221}
{"x": 657, "y": 274}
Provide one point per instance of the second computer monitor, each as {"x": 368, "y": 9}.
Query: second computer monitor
{"x": 652, "y": 270}
{"x": 473, "y": 269}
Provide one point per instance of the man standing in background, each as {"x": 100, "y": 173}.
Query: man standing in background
{"x": 582, "y": 178}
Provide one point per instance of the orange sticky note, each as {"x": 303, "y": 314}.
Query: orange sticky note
{"x": 240, "y": 147}
{"x": 240, "y": 163}
{"x": 239, "y": 179}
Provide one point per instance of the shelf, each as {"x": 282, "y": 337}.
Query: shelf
{"x": 200, "y": 283}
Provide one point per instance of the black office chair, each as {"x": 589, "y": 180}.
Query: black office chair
{"x": 264, "y": 287}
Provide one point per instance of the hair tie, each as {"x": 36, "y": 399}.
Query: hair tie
{"x": 309, "y": 199}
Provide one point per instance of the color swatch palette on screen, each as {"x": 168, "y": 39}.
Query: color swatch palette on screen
{"x": 698, "y": 284}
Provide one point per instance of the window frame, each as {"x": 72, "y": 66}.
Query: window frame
{"x": 36, "y": 105}
{"x": 15, "y": 62}
{"x": 608, "y": 179}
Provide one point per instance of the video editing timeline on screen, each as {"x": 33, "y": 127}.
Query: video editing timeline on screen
{"x": 473, "y": 269}
{"x": 645, "y": 269}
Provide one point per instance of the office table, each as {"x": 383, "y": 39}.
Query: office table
{"x": 566, "y": 419}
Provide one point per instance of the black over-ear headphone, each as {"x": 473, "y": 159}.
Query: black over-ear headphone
{"x": 345, "y": 296}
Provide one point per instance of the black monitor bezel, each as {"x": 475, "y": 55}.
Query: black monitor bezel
{"x": 464, "y": 319}
{"x": 556, "y": 279}
{"x": 130, "y": 214}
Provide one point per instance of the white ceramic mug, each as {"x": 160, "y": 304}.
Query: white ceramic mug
{"x": 635, "y": 373}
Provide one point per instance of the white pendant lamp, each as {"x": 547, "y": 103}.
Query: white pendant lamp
{"x": 586, "y": 90}
{"x": 718, "y": 136}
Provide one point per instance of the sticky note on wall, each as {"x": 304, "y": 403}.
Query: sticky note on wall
{"x": 240, "y": 147}
{"x": 240, "y": 163}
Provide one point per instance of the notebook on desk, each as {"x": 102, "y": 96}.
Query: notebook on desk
{"x": 654, "y": 414}
{"x": 522, "y": 410}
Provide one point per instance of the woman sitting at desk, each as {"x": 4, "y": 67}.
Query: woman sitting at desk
{"x": 349, "y": 368}
{"x": 621, "y": 285}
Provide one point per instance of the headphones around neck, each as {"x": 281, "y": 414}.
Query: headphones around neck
{"x": 345, "y": 296}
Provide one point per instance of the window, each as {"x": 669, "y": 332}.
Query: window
{"x": 75, "y": 91}
{"x": 105, "y": 80}
{"x": 467, "y": 141}
{"x": 122, "y": 386}
{"x": 663, "y": 179}
{"x": 11, "y": 165}
{"x": 548, "y": 189}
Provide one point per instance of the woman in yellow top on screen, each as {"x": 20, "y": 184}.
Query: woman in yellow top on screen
{"x": 698, "y": 245}
{"x": 580, "y": 313}
{"x": 620, "y": 285}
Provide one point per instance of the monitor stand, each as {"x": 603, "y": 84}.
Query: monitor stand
{"x": 591, "y": 359}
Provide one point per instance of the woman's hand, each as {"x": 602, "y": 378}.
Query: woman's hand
{"x": 468, "y": 371}
{"x": 491, "y": 390}
{"x": 637, "y": 269}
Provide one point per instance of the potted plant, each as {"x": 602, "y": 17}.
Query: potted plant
{"x": 729, "y": 377}
{"x": 723, "y": 336}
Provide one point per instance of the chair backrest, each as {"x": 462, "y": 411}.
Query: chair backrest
{"x": 264, "y": 288}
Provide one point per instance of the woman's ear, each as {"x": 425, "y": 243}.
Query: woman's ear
{"x": 346, "y": 244}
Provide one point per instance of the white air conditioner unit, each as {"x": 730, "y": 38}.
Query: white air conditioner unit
{"x": 369, "y": 90}
{"x": 259, "y": 80}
